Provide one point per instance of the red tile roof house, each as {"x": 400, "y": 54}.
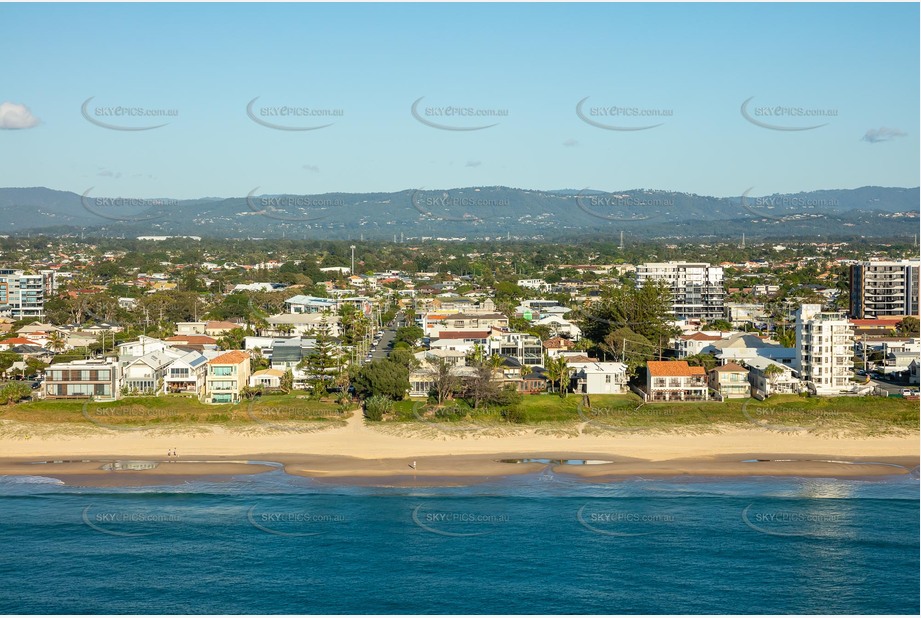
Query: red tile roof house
{"x": 6, "y": 344}
{"x": 228, "y": 374}
{"x": 555, "y": 345}
{"x": 675, "y": 381}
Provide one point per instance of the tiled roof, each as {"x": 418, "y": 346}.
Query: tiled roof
{"x": 193, "y": 339}
{"x": 731, "y": 367}
{"x": 675, "y": 369}
{"x": 220, "y": 324}
{"x": 463, "y": 334}
{"x": 18, "y": 341}
{"x": 233, "y": 357}
{"x": 700, "y": 337}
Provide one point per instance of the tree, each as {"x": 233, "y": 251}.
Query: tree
{"x": 629, "y": 347}
{"x": 707, "y": 361}
{"x": 645, "y": 310}
{"x": 480, "y": 388}
{"x": 444, "y": 382}
{"x": 772, "y": 372}
{"x": 405, "y": 357}
{"x": 381, "y": 377}
{"x": 323, "y": 363}
{"x": 720, "y": 325}
{"x": 908, "y": 326}
{"x": 558, "y": 373}
{"x": 234, "y": 339}
{"x": 409, "y": 335}
{"x": 376, "y": 406}
{"x": 287, "y": 381}
{"x": 57, "y": 342}
{"x": 11, "y": 393}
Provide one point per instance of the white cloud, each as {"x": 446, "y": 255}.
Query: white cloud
{"x": 16, "y": 116}
{"x": 883, "y": 134}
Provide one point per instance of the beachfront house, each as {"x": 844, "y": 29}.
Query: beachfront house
{"x": 186, "y": 374}
{"x": 730, "y": 381}
{"x": 83, "y": 379}
{"x": 766, "y": 382}
{"x": 598, "y": 378}
{"x": 228, "y": 374}
{"x": 145, "y": 374}
{"x": 675, "y": 381}
{"x": 267, "y": 379}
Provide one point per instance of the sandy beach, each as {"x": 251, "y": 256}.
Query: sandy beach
{"x": 357, "y": 453}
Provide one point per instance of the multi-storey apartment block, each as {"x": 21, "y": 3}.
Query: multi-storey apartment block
{"x": 884, "y": 289}
{"x": 824, "y": 350}
{"x": 697, "y": 288}
{"x": 23, "y": 295}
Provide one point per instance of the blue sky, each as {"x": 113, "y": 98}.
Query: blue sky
{"x": 697, "y": 64}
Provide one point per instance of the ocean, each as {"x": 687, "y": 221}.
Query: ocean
{"x": 537, "y": 544}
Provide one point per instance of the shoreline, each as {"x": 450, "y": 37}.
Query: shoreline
{"x": 368, "y": 454}
{"x": 453, "y": 470}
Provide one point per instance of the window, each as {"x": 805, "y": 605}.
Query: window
{"x": 607, "y": 379}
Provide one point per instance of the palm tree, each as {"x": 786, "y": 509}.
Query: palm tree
{"x": 56, "y": 341}
{"x": 772, "y": 372}
{"x": 558, "y": 372}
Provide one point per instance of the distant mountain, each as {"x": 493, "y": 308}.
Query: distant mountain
{"x": 472, "y": 213}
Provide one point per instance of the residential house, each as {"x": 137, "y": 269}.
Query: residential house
{"x": 83, "y": 379}
{"x": 694, "y": 343}
{"x": 143, "y": 345}
{"x": 303, "y": 324}
{"x": 145, "y": 374}
{"x": 310, "y": 304}
{"x": 598, "y": 378}
{"x": 267, "y": 379}
{"x": 523, "y": 347}
{"x": 730, "y": 381}
{"x": 228, "y": 374}
{"x": 187, "y": 374}
{"x": 193, "y": 342}
{"x": 556, "y": 345}
{"x": 675, "y": 381}
{"x": 219, "y": 328}
{"x": 559, "y": 325}
{"x": 765, "y": 383}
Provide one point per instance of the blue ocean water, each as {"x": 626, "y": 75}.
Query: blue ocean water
{"x": 525, "y": 545}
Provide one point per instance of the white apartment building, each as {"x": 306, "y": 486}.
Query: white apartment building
{"x": 23, "y": 295}
{"x": 881, "y": 288}
{"x": 697, "y": 288}
{"x": 824, "y": 349}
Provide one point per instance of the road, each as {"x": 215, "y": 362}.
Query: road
{"x": 384, "y": 348}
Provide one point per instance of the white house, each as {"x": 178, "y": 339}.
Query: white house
{"x": 267, "y": 378}
{"x": 560, "y": 326}
{"x": 146, "y": 374}
{"x": 143, "y": 345}
{"x": 187, "y": 373}
{"x": 764, "y": 386}
{"x": 598, "y": 378}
